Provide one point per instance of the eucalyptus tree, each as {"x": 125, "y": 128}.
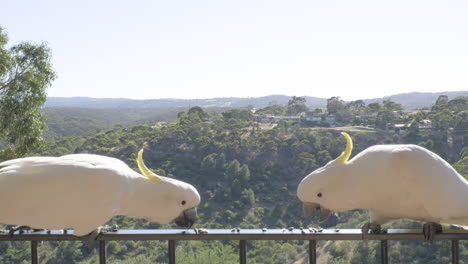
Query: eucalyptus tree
{"x": 25, "y": 73}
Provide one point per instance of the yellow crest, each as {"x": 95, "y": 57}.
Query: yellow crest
{"x": 343, "y": 158}
{"x": 144, "y": 170}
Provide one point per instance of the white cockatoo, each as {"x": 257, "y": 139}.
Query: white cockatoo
{"x": 392, "y": 182}
{"x": 84, "y": 191}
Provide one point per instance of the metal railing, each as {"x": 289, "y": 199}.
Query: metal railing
{"x": 173, "y": 235}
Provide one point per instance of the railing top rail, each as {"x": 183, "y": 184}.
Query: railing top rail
{"x": 243, "y": 234}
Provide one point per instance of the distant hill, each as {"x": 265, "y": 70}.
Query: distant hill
{"x": 408, "y": 100}
{"x": 417, "y": 100}
{"x": 86, "y": 102}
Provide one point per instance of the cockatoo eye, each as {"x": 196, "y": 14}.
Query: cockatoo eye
{"x": 319, "y": 194}
{"x": 183, "y": 202}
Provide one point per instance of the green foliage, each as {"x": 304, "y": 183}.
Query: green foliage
{"x": 272, "y": 109}
{"x": 212, "y": 252}
{"x": 450, "y": 115}
{"x": 389, "y": 105}
{"x": 458, "y": 104}
{"x": 235, "y": 171}
{"x": 323, "y": 157}
{"x": 196, "y": 110}
{"x": 413, "y": 131}
{"x": 374, "y": 107}
{"x": 296, "y": 105}
{"x": 364, "y": 253}
{"x": 335, "y": 105}
{"x": 25, "y": 73}
{"x": 232, "y": 170}
{"x": 241, "y": 114}
{"x": 464, "y": 152}
{"x": 340, "y": 249}
{"x": 248, "y": 197}
{"x": 276, "y": 252}
{"x": 387, "y": 114}
{"x": 305, "y": 163}
{"x": 462, "y": 166}
{"x": 85, "y": 122}
{"x": 15, "y": 252}
{"x": 444, "y": 119}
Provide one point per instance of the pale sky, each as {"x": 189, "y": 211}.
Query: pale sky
{"x": 147, "y": 49}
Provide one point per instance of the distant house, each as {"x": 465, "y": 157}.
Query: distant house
{"x": 367, "y": 115}
{"x": 399, "y": 126}
{"x": 313, "y": 116}
{"x": 208, "y": 120}
{"x": 274, "y": 119}
{"x": 264, "y": 118}
{"x": 287, "y": 118}
{"x": 425, "y": 124}
{"x": 158, "y": 125}
{"x": 330, "y": 118}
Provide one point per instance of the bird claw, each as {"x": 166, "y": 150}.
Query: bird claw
{"x": 430, "y": 229}
{"x": 21, "y": 229}
{"x": 100, "y": 230}
{"x": 372, "y": 227}
{"x": 108, "y": 228}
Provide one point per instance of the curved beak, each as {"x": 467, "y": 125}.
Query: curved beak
{"x": 324, "y": 214}
{"x": 187, "y": 218}
{"x": 311, "y": 208}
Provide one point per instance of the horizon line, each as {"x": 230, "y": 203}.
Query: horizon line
{"x": 248, "y": 97}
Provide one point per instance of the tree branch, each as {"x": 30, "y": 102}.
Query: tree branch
{"x": 4, "y": 86}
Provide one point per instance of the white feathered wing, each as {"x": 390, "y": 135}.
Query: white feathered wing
{"x": 79, "y": 191}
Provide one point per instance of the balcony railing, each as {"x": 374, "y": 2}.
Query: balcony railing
{"x": 242, "y": 235}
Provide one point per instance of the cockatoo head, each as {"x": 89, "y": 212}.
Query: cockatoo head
{"x": 174, "y": 200}
{"x": 320, "y": 190}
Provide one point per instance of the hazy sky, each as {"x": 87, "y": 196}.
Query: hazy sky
{"x": 203, "y": 49}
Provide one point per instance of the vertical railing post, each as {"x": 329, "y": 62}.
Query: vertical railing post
{"x": 455, "y": 255}
{"x": 172, "y": 246}
{"x": 242, "y": 252}
{"x": 312, "y": 251}
{"x": 102, "y": 252}
{"x": 384, "y": 251}
{"x": 34, "y": 258}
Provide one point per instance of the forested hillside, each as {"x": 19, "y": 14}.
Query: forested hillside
{"x": 87, "y": 121}
{"x": 68, "y": 121}
{"x": 79, "y": 116}
{"x": 247, "y": 174}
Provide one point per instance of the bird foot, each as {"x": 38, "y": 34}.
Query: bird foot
{"x": 108, "y": 228}
{"x": 372, "y": 227}
{"x": 91, "y": 237}
{"x": 21, "y": 229}
{"x": 430, "y": 229}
